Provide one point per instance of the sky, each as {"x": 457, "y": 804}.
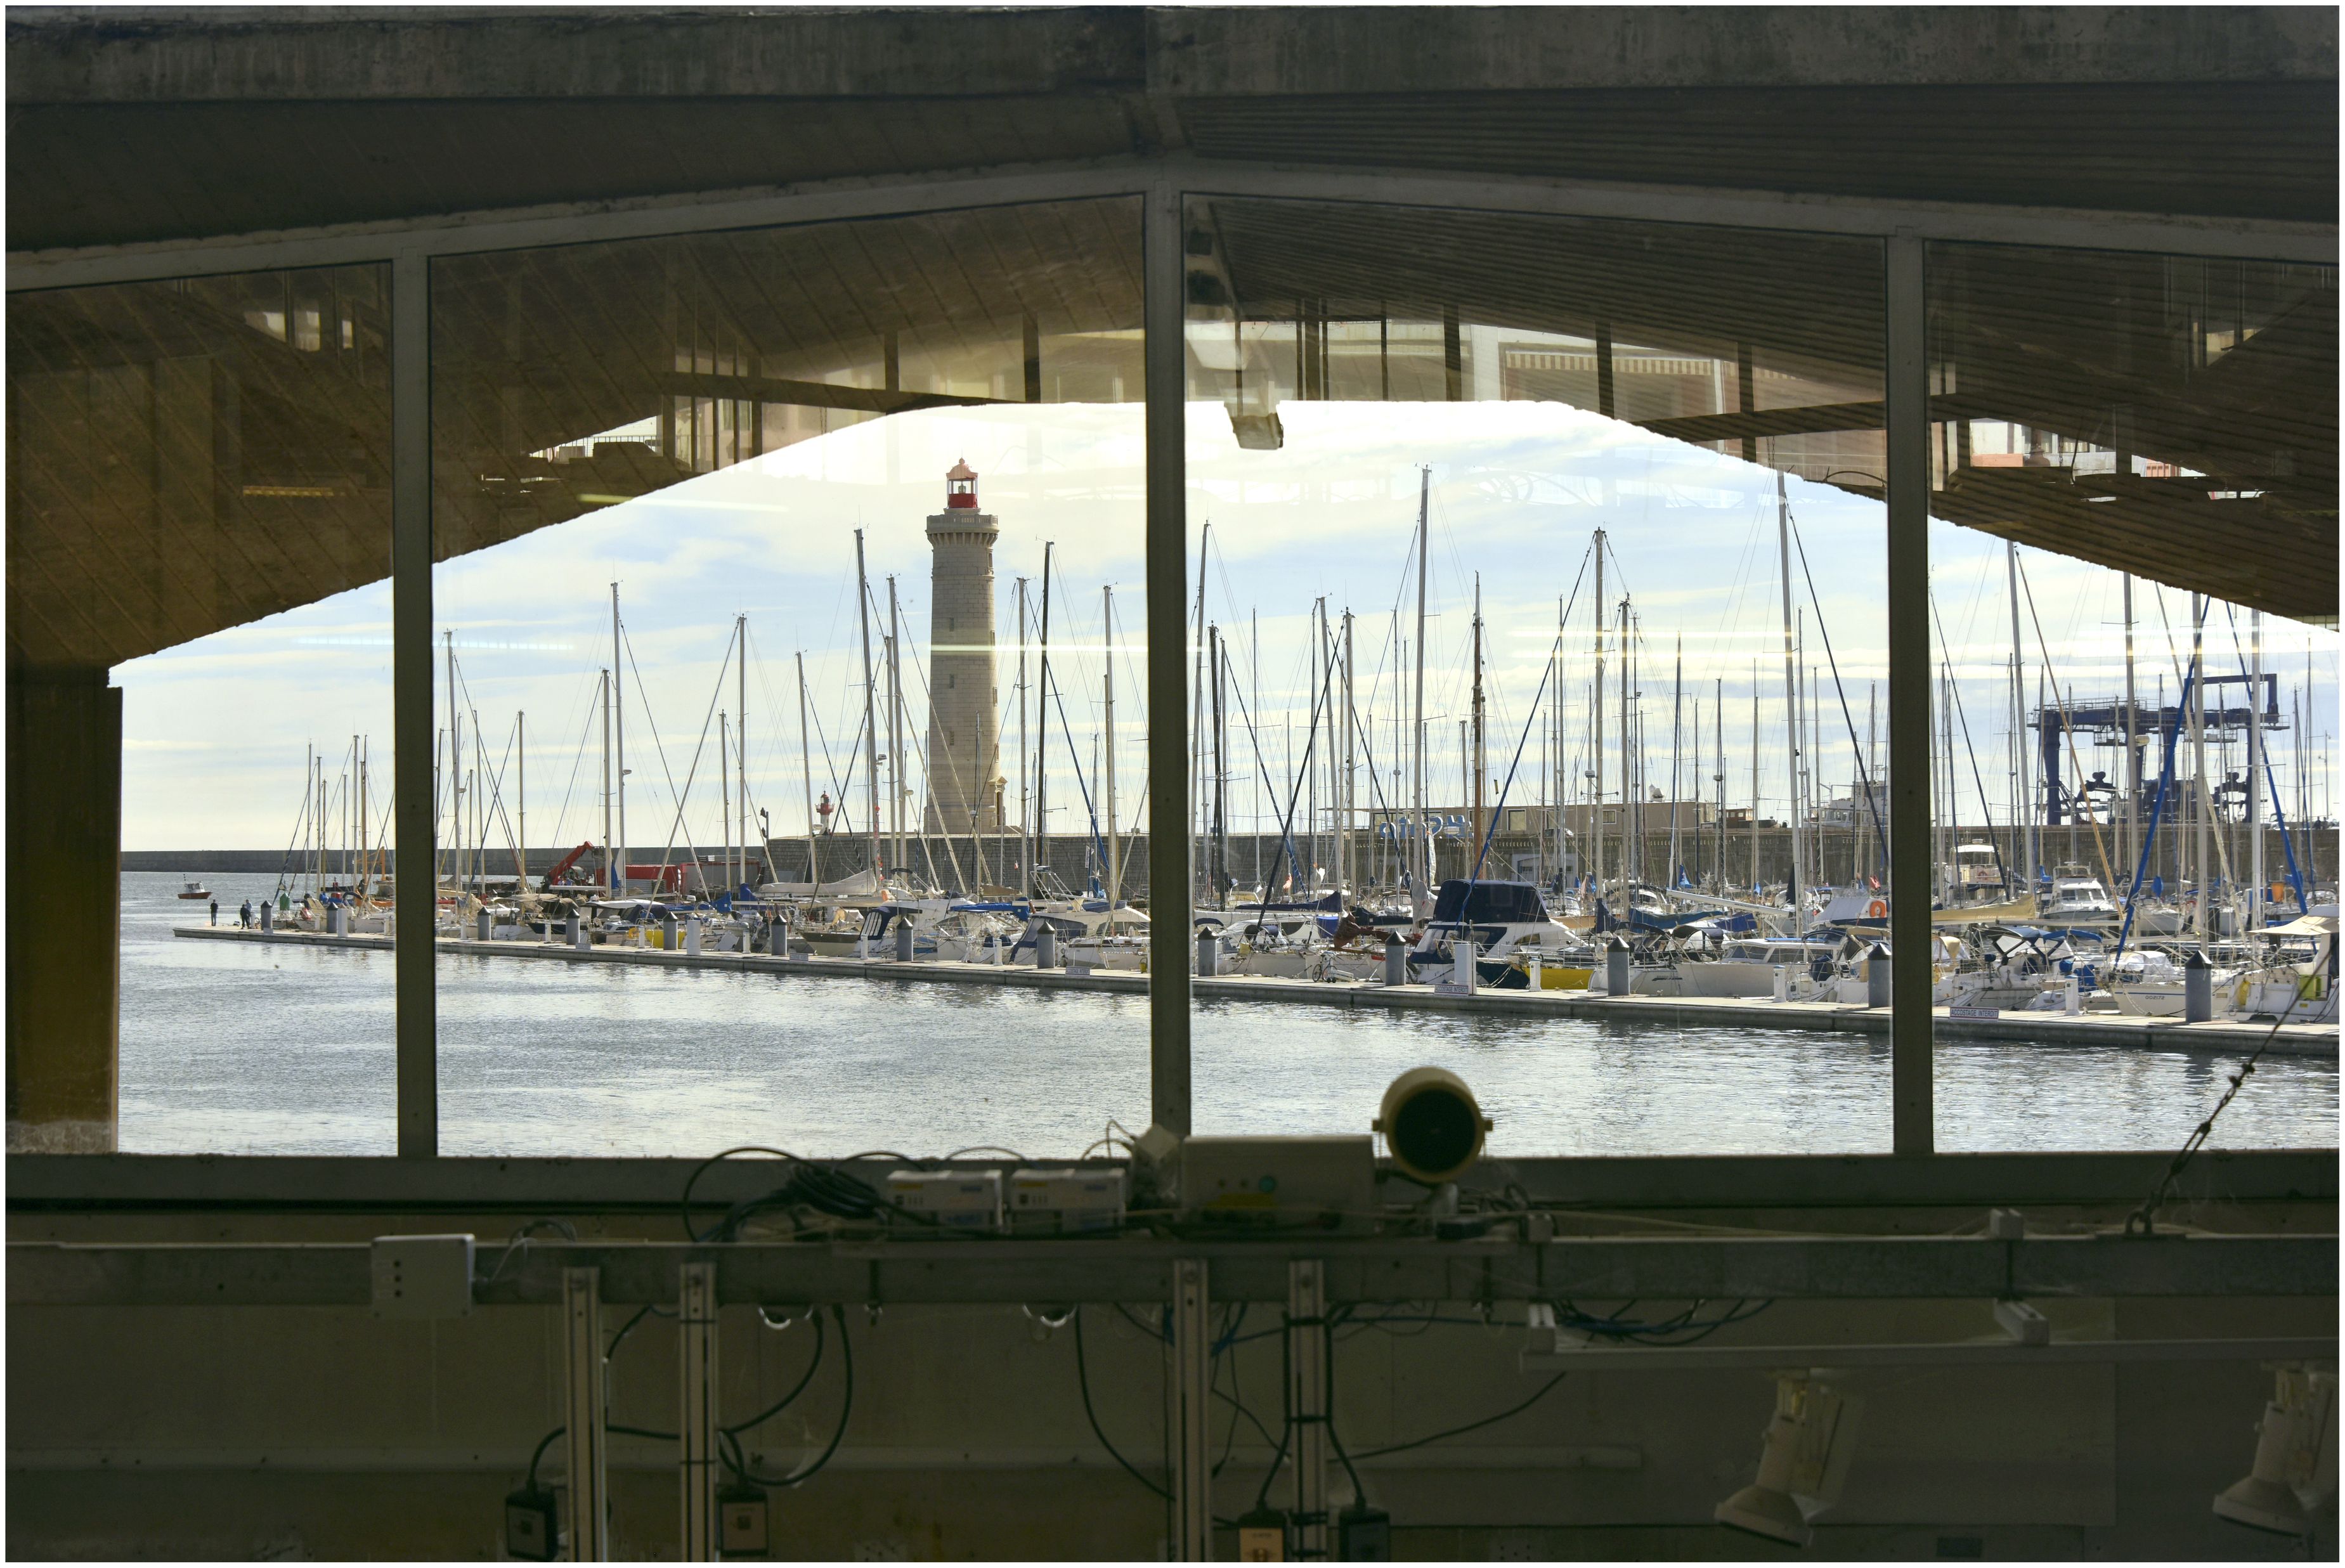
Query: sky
{"x": 216, "y": 730}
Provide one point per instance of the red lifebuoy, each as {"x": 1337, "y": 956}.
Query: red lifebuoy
{"x": 1876, "y": 910}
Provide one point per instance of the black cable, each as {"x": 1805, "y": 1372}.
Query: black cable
{"x": 1084, "y": 1382}
{"x": 617, "y": 1340}
{"x": 845, "y": 1401}
{"x": 838, "y": 1435}
{"x": 1327, "y": 1338}
{"x": 537, "y": 1458}
{"x": 684, "y": 1204}
{"x": 2145, "y": 1216}
{"x": 1285, "y": 1422}
{"x": 1545, "y": 1389}
{"x": 624, "y": 1329}
{"x": 813, "y": 1365}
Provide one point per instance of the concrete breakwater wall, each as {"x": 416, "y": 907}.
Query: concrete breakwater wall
{"x": 1075, "y": 858}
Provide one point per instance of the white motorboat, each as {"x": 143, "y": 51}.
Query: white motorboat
{"x": 1746, "y": 966}
{"x": 2078, "y": 900}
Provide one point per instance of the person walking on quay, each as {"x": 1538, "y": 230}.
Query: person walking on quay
{"x": 215, "y": 911}
{"x": 244, "y": 915}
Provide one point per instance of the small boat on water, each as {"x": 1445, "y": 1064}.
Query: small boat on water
{"x": 196, "y": 890}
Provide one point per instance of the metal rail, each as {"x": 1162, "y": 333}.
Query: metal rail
{"x": 2060, "y": 1353}
{"x": 45, "y": 1274}
{"x": 100, "y": 1183}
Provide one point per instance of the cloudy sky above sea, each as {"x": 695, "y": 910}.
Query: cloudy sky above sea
{"x": 216, "y": 730}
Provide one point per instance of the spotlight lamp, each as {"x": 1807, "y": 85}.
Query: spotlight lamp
{"x": 2296, "y": 1456}
{"x": 1804, "y": 1458}
{"x": 1432, "y": 1125}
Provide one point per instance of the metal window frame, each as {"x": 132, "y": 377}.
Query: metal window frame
{"x": 1164, "y": 184}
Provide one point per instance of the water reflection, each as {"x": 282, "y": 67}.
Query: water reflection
{"x": 250, "y": 1050}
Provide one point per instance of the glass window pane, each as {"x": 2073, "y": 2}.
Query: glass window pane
{"x": 2134, "y": 461}
{"x": 847, "y": 449}
{"x": 198, "y": 498}
{"x": 1505, "y": 744}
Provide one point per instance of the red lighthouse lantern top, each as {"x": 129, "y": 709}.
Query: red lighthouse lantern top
{"x": 960, "y": 486}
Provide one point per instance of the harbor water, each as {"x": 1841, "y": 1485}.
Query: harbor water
{"x": 249, "y": 1049}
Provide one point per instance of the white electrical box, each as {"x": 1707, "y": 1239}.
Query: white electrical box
{"x": 956, "y": 1200}
{"x": 423, "y": 1276}
{"x": 1324, "y": 1181}
{"x": 1048, "y": 1202}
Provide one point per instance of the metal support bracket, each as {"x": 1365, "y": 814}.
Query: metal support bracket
{"x": 696, "y": 1420}
{"x": 1192, "y": 1466}
{"x": 1306, "y": 1402}
{"x": 585, "y": 1442}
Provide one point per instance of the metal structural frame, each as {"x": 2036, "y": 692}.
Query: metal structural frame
{"x": 1009, "y": 1271}
{"x": 1162, "y": 184}
{"x": 1191, "y": 1355}
{"x": 586, "y": 1444}
{"x": 696, "y": 1434}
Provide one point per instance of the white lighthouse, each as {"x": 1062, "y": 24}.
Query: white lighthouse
{"x": 964, "y": 723}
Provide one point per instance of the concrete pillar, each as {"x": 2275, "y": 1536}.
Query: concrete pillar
{"x": 904, "y": 941}
{"x": 65, "y": 972}
{"x": 1616, "y": 967}
{"x": 692, "y": 936}
{"x": 1208, "y": 950}
{"x": 481, "y": 926}
{"x": 1395, "y": 961}
{"x": 1876, "y": 976}
{"x": 267, "y": 916}
{"x": 1046, "y": 947}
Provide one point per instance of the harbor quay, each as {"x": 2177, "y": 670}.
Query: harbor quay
{"x": 2220, "y": 1036}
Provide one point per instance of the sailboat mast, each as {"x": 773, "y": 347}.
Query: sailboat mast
{"x": 1754, "y": 779}
{"x": 1481, "y": 814}
{"x": 1421, "y": 867}
{"x": 1791, "y": 701}
{"x": 1718, "y": 760}
{"x": 2022, "y": 769}
{"x": 1216, "y": 845}
{"x": 870, "y": 709}
{"x": 1628, "y": 846}
{"x": 1025, "y": 799}
{"x": 723, "y": 787}
{"x": 2203, "y": 860}
{"x": 1596, "y": 706}
{"x": 806, "y": 767}
{"x": 618, "y": 712}
{"x": 1677, "y": 720}
{"x": 2255, "y": 770}
{"x": 609, "y": 866}
{"x": 1559, "y": 788}
{"x": 2132, "y": 774}
{"x": 520, "y": 798}
{"x": 1343, "y": 868}
{"x": 741, "y": 740}
{"x": 896, "y": 789}
{"x": 1107, "y": 782}
{"x": 1041, "y": 733}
